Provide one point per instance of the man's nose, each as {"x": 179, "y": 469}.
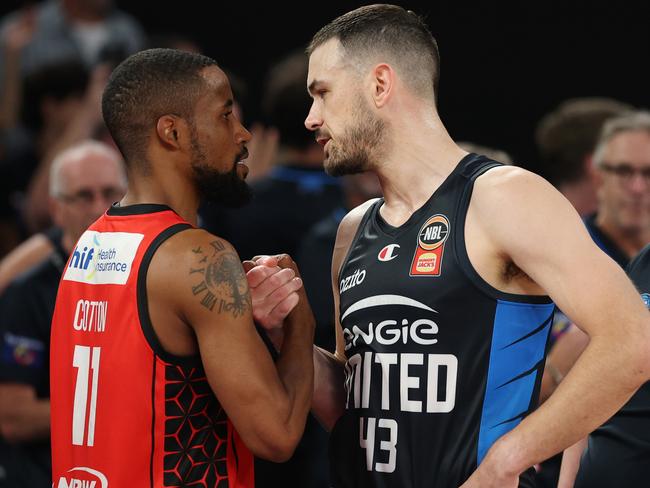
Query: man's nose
{"x": 314, "y": 119}
{"x": 639, "y": 183}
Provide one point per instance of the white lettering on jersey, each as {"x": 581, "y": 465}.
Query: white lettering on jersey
{"x": 367, "y": 442}
{"x": 417, "y": 371}
{"x": 387, "y": 332}
{"x": 90, "y": 316}
{"x": 354, "y": 279}
{"x": 70, "y": 482}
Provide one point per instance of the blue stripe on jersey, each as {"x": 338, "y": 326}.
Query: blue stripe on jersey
{"x": 518, "y": 344}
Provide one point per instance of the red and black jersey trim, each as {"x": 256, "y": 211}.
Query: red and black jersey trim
{"x": 143, "y": 304}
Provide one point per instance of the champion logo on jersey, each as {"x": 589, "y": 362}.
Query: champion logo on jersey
{"x": 388, "y": 253}
{"x": 427, "y": 259}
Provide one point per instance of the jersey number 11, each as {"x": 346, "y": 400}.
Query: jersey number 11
{"x": 85, "y": 358}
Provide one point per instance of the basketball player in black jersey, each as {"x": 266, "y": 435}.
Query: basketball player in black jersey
{"x": 444, "y": 287}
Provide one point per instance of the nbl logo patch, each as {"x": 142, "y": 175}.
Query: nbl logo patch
{"x": 427, "y": 260}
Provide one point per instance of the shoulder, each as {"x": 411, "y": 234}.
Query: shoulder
{"x": 191, "y": 246}
{"x": 350, "y": 223}
{"x": 511, "y": 180}
{"x": 521, "y": 212}
{"x": 510, "y": 190}
{"x": 193, "y": 268}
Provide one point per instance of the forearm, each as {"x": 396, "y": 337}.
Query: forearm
{"x": 296, "y": 369}
{"x": 601, "y": 381}
{"x": 328, "y": 403}
{"x": 571, "y": 463}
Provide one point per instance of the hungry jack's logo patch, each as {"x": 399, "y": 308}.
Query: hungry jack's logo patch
{"x": 427, "y": 260}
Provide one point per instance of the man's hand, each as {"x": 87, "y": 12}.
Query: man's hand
{"x": 486, "y": 477}
{"x": 274, "y": 284}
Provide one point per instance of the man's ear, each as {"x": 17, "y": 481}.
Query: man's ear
{"x": 383, "y": 81}
{"x": 167, "y": 129}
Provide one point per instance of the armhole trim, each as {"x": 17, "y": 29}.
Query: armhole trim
{"x": 364, "y": 220}
{"x": 143, "y": 303}
{"x": 461, "y": 248}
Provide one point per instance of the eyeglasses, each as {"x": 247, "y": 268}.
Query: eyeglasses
{"x": 86, "y": 196}
{"x": 626, "y": 172}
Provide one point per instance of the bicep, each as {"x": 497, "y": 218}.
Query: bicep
{"x": 215, "y": 302}
{"x": 554, "y": 249}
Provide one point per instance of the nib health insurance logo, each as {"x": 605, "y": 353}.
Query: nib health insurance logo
{"x": 103, "y": 257}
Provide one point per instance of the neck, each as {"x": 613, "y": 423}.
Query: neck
{"x": 629, "y": 241}
{"x": 420, "y": 155}
{"x": 163, "y": 188}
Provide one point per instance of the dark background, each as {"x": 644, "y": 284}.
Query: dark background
{"x": 502, "y": 66}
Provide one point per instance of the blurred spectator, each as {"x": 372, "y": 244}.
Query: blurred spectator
{"x": 85, "y": 180}
{"x": 566, "y": 139}
{"x": 60, "y": 120}
{"x": 93, "y": 31}
{"x": 52, "y": 95}
{"x": 28, "y": 253}
{"x": 55, "y": 43}
{"x": 620, "y": 226}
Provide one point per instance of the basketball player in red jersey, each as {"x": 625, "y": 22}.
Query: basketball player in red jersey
{"x": 158, "y": 376}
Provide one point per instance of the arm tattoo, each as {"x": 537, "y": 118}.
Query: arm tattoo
{"x": 223, "y": 286}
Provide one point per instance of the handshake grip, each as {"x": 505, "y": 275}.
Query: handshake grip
{"x": 279, "y": 297}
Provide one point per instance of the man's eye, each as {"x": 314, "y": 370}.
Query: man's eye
{"x": 227, "y": 114}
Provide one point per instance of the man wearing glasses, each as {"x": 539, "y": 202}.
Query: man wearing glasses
{"x": 621, "y": 226}
{"x": 85, "y": 180}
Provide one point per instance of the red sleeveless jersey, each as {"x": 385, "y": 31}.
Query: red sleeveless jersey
{"x": 125, "y": 413}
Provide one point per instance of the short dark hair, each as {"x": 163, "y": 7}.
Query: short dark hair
{"x": 146, "y": 86}
{"x": 391, "y": 30}
{"x": 285, "y": 100}
{"x": 568, "y": 134}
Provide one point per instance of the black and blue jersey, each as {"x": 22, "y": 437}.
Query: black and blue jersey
{"x": 440, "y": 364}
